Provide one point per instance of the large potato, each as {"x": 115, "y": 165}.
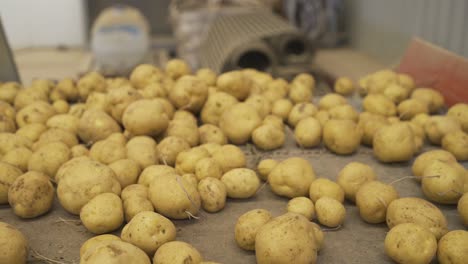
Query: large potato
{"x": 187, "y": 160}
{"x": 324, "y": 187}
{"x": 105, "y": 253}
{"x": 149, "y": 231}
{"x": 452, "y": 247}
{"x": 460, "y": 112}
{"x": 241, "y": 183}
{"x": 37, "y": 112}
{"x": 330, "y": 212}
{"x": 214, "y": 107}
{"x": 247, "y": 227}
{"x": 31, "y": 195}
{"x": 427, "y": 158}
{"x": 95, "y": 125}
{"x": 13, "y": 245}
{"x": 177, "y": 252}
{"x": 443, "y": 182}
{"x": 103, "y": 213}
{"x": 18, "y": 157}
{"x": 110, "y": 149}
{"x": 268, "y": 137}
{"x": 372, "y": 200}
{"x": 410, "y": 243}
{"x": 301, "y": 111}
{"x": 48, "y": 158}
{"x": 439, "y": 126}
{"x": 169, "y": 148}
{"x": 431, "y": 97}
{"x": 234, "y": 83}
{"x": 303, "y": 206}
{"x": 143, "y": 150}
{"x": 152, "y": 172}
{"x": 126, "y": 171}
{"x": 456, "y": 142}
{"x": 418, "y": 211}
{"x": 230, "y": 157}
{"x": 342, "y": 137}
{"x": 238, "y": 122}
{"x": 174, "y": 197}
{"x": 288, "y": 238}
{"x": 212, "y": 194}
{"x": 353, "y": 176}
{"x": 145, "y": 117}
{"x": 189, "y": 93}
{"x": 291, "y": 177}
{"x": 67, "y": 165}
{"x": 379, "y": 104}
{"x": 308, "y": 132}
{"x": 394, "y": 143}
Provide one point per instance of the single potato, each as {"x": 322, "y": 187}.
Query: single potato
{"x": 456, "y": 142}
{"x": 301, "y": 111}
{"x": 443, "y": 182}
{"x": 213, "y": 194}
{"x": 241, "y": 183}
{"x": 211, "y": 134}
{"x": 303, "y": 206}
{"x": 264, "y": 168}
{"x": 439, "y": 126}
{"x": 103, "y": 213}
{"x": 126, "y": 171}
{"x": 342, "y": 137}
{"x": 105, "y": 252}
{"x": 452, "y": 247}
{"x": 177, "y": 252}
{"x": 230, "y": 157}
{"x": 268, "y": 137}
{"x": 291, "y": 177}
{"x": 330, "y": 212}
{"x": 372, "y": 200}
{"x": 247, "y": 227}
{"x": 13, "y": 244}
{"x": 324, "y": 187}
{"x": 394, "y": 143}
{"x": 169, "y": 148}
{"x": 460, "y": 112}
{"x": 208, "y": 167}
{"x": 238, "y": 122}
{"x": 143, "y": 150}
{"x": 308, "y": 132}
{"x": 353, "y": 176}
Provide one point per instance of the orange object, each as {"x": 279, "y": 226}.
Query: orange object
{"x": 434, "y": 67}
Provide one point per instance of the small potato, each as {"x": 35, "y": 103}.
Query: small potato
{"x": 103, "y": 213}
{"x": 126, "y": 171}
{"x": 394, "y": 143}
{"x": 342, "y": 137}
{"x": 207, "y": 75}
{"x": 67, "y": 165}
{"x": 379, "y": 104}
{"x": 369, "y": 127}
{"x": 289, "y": 238}
{"x": 152, "y": 172}
{"x": 119, "y": 99}
{"x": 187, "y": 160}
{"x": 427, "y": 158}
{"x": 48, "y": 158}
{"x": 264, "y": 168}
{"x": 145, "y": 74}
{"x": 322, "y": 116}
{"x": 443, "y": 182}
{"x": 462, "y": 208}
{"x": 37, "y": 112}
{"x": 420, "y": 119}
{"x": 98, "y": 101}
{"x": 418, "y": 211}
{"x": 95, "y": 241}
{"x": 208, "y": 167}
{"x": 79, "y": 150}
{"x": 323, "y": 187}
{"x": 176, "y": 68}
{"x": 18, "y": 157}
{"x": 268, "y": 137}
{"x": 456, "y": 142}
{"x": 431, "y": 97}
{"x": 105, "y": 253}
{"x": 189, "y": 93}
{"x": 138, "y": 190}
{"x": 32, "y": 131}
{"x": 8, "y": 91}
{"x": 372, "y": 200}
{"x": 8, "y": 175}
{"x": 142, "y": 149}
{"x": 406, "y": 81}
{"x": 145, "y": 117}
{"x": 212, "y": 194}
{"x": 215, "y": 105}
{"x": 67, "y": 88}
{"x": 353, "y": 176}
{"x": 230, "y": 157}
{"x": 134, "y": 205}
{"x": 282, "y": 108}
{"x": 64, "y": 121}
{"x": 186, "y": 116}
{"x": 331, "y": 100}
{"x": 238, "y": 122}
{"x": 299, "y": 92}
{"x": 149, "y": 231}
{"x": 174, "y": 197}
{"x": 13, "y": 244}
{"x": 31, "y": 195}
{"x": 276, "y": 89}
{"x": 169, "y": 148}
{"x": 184, "y": 129}
{"x": 274, "y": 121}
{"x": 452, "y": 247}
{"x": 91, "y": 82}
{"x": 110, "y": 149}
{"x": 260, "y": 103}
{"x": 9, "y": 141}
{"x": 303, "y": 206}
{"x": 56, "y": 135}
{"x": 241, "y": 183}
{"x": 247, "y": 226}
{"x": 410, "y": 243}
{"x": 211, "y": 134}
{"x": 306, "y": 79}
{"x": 343, "y": 112}
{"x": 460, "y": 112}
{"x": 439, "y": 126}
{"x": 291, "y": 177}
{"x": 234, "y": 83}
{"x": 301, "y": 111}
{"x": 95, "y": 125}
{"x": 344, "y": 86}
{"x": 308, "y": 132}
{"x": 396, "y": 92}
{"x": 176, "y": 252}
{"x": 330, "y": 212}
{"x": 410, "y": 108}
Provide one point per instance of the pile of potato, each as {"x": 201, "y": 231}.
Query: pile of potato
{"x": 135, "y": 153}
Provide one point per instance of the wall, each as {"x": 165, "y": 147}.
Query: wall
{"x": 382, "y": 28}
{"x": 44, "y": 23}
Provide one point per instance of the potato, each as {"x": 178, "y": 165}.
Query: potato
{"x": 37, "y": 112}
{"x": 462, "y": 208}
{"x": 276, "y": 90}
{"x": 65, "y": 122}
{"x": 206, "y": 75}
{"x": 103, "y": 213}
{"x": 288, "y": 238}
{"x": 420, "y": 119}
{"x": 260, "y": 103}
{"x": 7, "y": 110}
{"x": 25, "y": 97}
{"x": 343, "y": 112}
{"x": 425, "y": 159}
{"x": 92, "y": 242}
{"x": 145, "y": 117}
{"x": 410, "y": 243}
{"x": 152, "y": 90}
{"x": 114, "y": 251}
{"x": 303, "y": 206}
{"x": 98, "y": 101}
{"x": 176, "y": 68}
{"x": 301, "y": 111}
{"x": 48, "y": 158}
{"x": 344, "y": 86}
{"x": 394, "y": 143}
{"x": 119, "y": 99}
{"x": 189, "y": 93}
{"x": 330, "y": 212}
{"x": 264, "y": 168}
{"x": 91, "y": 82}
{"x": 274, "y": 121}
{"x": 169, "y": 148}
{"x": 152, "y": 172}
{"x": 268, "y": 137}
{"x": 353, "y": 176}
{"x": 456, "y": 142}
{"x": 291, "y": 177}
{"x": 238, "y": 122}
{"x": 322, "y": 116}
{"x": 95, "y": 125}
{"x": 282, "y": 108}
{"x": 211, "y": 134}
{"x": 177, "y": 252}
{"x": 82, "y": 181}
{"x": 142, "y": 149}
{"x": 79, "y": 150}
{"x": 211, "y": 148}
{"x": 233, "y": 83}
{"x": 110, "y": 149}
{"x": 439, "y": 126}
{"x": 9, "y": 141}
{"x": 247, "y": 227}
{"x": 410, "y": 108}
{"x": 379, "y": 104}
{"x": 212, "y": 194}
{"x": 32, "y": 131}
{"x": 447, "y": 185}
{"x": 56, "y": 135}
{"x": 13, "y": 244}
{"x": 126, "y": 171}
{"x": 174, "y": 197}
{"x": 186, "y": 116}
{"x": 145, "y": 74}
{"x": 6, "y": 124}
{"x": 31, "y": 195}
{"x": 418, "y": 211}
{"x": 208, "y": 167}
{"x": 138, "y": 190}
{"x": 431, "y": 97}
{"x": 134, "y": 205}
{"x": 8, "y": 174}
{"x": 67, "y": 165}
{"x": 117, "y": 82}
{"x": 331, "y": 100}
{"x": 306, "y": 79}
{"x": 148, "y": 231}
{"x": 299, "y": 92}
{"x": 406, "y": 81}
{"x": 77, "y": 110}
{"x": 241, "y": 183}
{"x": 460, "y": 112}
{"x": 323, "y": 187}
{"x": 184, "y": 129}
{"x": 452, "y": 247}
{"x": 8, "y": 91}
{"x": 187, "y": 160}
{"x": 66, "y": 87}
{"x": 308, "y": 132}
{"x": 342, "y": 137}
{"x": 372, "y": 200}
{"x": 230, "y": 157}
{"x": 18, "y": 157}
{"x": 215, "y": 105}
